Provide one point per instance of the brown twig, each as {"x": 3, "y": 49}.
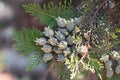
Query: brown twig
{"x": 91, "y": 25}
{"x": 47, "y": 71}
{"x": 93, "y": 19}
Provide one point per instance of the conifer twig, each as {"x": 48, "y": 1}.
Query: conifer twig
{"x": 47, "y": 71}
{"x": 91, "y": 24}
{"x": 93, "y": 19}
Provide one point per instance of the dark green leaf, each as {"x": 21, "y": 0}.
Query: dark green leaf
{"x": 25, "y": 41}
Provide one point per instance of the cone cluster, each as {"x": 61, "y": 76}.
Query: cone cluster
{"x": 115, "y": 57}
{"x": 60, "y": 41}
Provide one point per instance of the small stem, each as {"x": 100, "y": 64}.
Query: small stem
{"x": 47, "y": 71}
{"x": 89, "y": 34}
{"x": 84, "y": 56}
{"x": 93, "y": 19}
{"x": 91, "y": 24}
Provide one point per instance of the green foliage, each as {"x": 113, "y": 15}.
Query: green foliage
{"x": 48, "y": 13}
{"x": 114, "y": 36}
{"x": 118, "y": 30}
{"x": 25, "y": 41}
{"x": 93, "y": 65}
{"x": 61, "y": 71}
{"x": 35, "y": 60}
{"x": 73, "y": 66}
{"x": 106, "y": 47}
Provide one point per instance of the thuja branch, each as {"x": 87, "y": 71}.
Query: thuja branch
{"x": 91, "y": 24}
{"x": 93, "y": 19}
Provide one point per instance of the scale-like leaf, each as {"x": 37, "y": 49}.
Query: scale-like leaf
{"x": 35, "y": 60}
{"x": 25, "y": 41}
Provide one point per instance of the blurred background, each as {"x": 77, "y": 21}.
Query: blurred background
{"x": 12, "y": 65}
